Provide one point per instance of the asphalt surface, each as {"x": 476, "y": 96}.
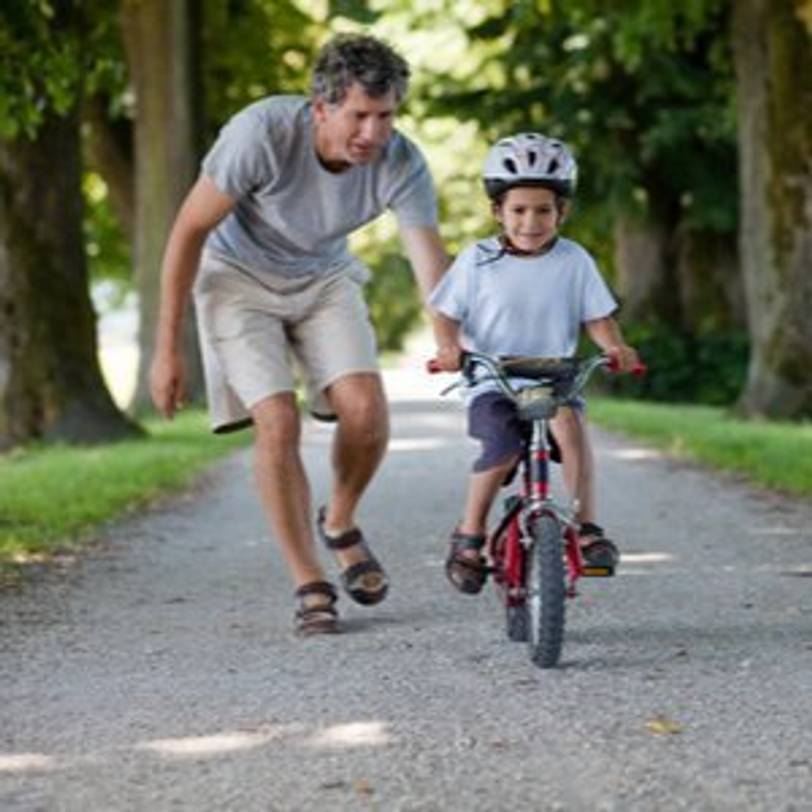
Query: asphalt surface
{"x": 160, "y": 671}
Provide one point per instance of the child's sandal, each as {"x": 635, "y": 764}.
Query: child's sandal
{"x": 467, "y": 573}
{"x": 318, "y": 617}
{"x": 598, "y": 552}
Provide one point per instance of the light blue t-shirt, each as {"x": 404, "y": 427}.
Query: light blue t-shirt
{"x": 292, "y": 215}
{"x": 509, "y": 304}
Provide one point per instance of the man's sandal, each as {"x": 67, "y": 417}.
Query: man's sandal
{"x": 365, "y": 582}
{"x": 467, "y": 573}
{"x": 316, "y": 617}
{"x": 600, "y": 554}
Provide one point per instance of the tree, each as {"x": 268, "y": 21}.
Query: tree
{"x": 773, "y": 50}
{"x": 159, "y": 42}
{"x": 51, "y": 385}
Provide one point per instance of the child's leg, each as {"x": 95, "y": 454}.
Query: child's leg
{"x": 482, "y": 489}
{"x": 570, "y": 431}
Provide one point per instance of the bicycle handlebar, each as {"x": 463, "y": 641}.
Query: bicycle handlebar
{"x": 496, "y": 368}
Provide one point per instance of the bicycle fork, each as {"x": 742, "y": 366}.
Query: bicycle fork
{"x": 537, "y": 494}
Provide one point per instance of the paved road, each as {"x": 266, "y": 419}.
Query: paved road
{"x": 160, "y": 673}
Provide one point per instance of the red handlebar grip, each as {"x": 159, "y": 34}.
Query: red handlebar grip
{"x": 433, "y": 366}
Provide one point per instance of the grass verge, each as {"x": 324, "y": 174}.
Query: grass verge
{"x": 775, "y": 455}
{"x": 51, "y": 496}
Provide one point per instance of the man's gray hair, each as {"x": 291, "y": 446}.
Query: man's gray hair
{"x": 350, "y": 58}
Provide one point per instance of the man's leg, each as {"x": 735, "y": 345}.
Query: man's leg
{"x": 359, "y": 444}
{"x": 283, "y": 486}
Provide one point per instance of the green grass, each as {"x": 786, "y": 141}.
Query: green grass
{"x": 776, "y": 455}
{"x": 51, "y": 496}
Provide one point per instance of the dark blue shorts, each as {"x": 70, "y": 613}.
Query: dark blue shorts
{"x": 494, "y": 421}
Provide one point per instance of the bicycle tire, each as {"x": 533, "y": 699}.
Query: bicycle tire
{"x": 546, "y": 592}
{"x": 517, "y": 623}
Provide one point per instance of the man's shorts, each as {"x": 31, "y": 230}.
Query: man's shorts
{"x": 259, "y": 336}
{"x": 494, "y": 420}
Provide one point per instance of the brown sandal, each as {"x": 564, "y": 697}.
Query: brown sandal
{"x": 466, "y": 573}
{"x": 365, "y": 582}
{"x": 316, "y": 618}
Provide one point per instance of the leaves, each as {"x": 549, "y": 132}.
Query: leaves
{"x": 662, "y": 726}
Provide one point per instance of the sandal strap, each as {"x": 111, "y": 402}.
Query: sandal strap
{"x": 349, "y": 538}
{"x": 317, "y": 588}
{"x": 364, "y": 567}
{"x": 466, "y": 541}
{"x": 590, "y": 529}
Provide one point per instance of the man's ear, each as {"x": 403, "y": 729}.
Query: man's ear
{"x": 319, "y": 108}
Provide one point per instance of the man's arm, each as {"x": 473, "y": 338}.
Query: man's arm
{"x": 429, "y": 262}
{"x": 204, "y": 207}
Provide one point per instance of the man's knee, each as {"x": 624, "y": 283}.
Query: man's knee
{"x": 360, "y": 406}
{"x": 277, "y": 424}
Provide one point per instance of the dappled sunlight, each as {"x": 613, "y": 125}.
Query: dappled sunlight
{"x": 352, "y": 734}
{"x": 647, "y": 558}
{"x": 217, "y": 743}
{"x": 418, "y": 444}
{"x": 634, "y": 454}
{"x": 25, "y": 762}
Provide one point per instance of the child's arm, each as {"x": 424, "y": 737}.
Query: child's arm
{"x": 606, "y": 334}
{"x": 447, "y": 337}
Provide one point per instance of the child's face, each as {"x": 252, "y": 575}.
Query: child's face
{"x": 530, "y": 217}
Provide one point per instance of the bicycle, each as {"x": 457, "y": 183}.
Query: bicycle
{"x": 534, "y": 553}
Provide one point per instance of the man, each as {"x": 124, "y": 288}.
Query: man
{"x": 266, "y": 224}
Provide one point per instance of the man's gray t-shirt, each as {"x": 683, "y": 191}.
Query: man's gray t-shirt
{"x": 522, "y": 305}
{"x": 292, "y": 215}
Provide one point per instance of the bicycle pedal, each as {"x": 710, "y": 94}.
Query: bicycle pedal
{"x": 598, "y": 572}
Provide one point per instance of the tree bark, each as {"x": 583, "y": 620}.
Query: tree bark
{"x": 773, "y": 56}
{"x": 51, "y": 385}
{"x": 158, "y": 38}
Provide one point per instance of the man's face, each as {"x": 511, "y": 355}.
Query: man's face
{"x": 354, "y": 131}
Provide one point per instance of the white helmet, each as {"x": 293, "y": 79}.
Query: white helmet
{"x": 529, "y": 159}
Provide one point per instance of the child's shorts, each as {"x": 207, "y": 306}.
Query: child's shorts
{"x": 494, "y": 420}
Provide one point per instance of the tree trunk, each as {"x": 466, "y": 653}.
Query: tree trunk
{"x": 51, "y": 385}
{"x": 773, "y": 55}
{"x": 646, "y": 274}
{"x": 158, "y": 37}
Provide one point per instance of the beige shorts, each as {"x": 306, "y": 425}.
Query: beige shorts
{"x": 258, "y": 340}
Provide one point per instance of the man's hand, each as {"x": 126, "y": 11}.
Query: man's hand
{"x": 167, "y": 383}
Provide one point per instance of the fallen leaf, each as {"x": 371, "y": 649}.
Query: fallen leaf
{"x": 363, "y": 787}
{"x": 663, "y": 727}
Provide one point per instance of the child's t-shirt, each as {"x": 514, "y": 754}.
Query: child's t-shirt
{"x": 509, "y": 304}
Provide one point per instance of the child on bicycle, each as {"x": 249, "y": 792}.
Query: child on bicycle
{"x": 526, "y": 292}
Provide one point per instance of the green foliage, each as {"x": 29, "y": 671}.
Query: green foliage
{"x": 394, "y": 304}
{"x": 108, "y": 252}
{"x": 768, "y": 454}
{"x": 50, "y": 50}
{"x": 51, "y": 495}
{"x": 709, "y": 367}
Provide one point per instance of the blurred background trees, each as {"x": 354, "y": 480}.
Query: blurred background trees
{"x": 690, "y": 122}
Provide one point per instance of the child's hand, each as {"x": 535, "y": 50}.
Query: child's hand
{"x": 625, "y": 357}
{"x": 448, "y": 357}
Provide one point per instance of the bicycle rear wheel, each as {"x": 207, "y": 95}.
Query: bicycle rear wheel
{"x": 546, "y": 592}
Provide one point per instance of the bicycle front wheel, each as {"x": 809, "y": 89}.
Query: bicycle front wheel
{"x": 546, "y": 592}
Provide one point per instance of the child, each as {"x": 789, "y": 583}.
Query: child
{"x": 527, "y": 292}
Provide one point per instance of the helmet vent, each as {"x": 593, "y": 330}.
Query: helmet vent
{"x": 510, "y": 165}
{"x": 531, "y": 158}
{"x": 553, "y": 167}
